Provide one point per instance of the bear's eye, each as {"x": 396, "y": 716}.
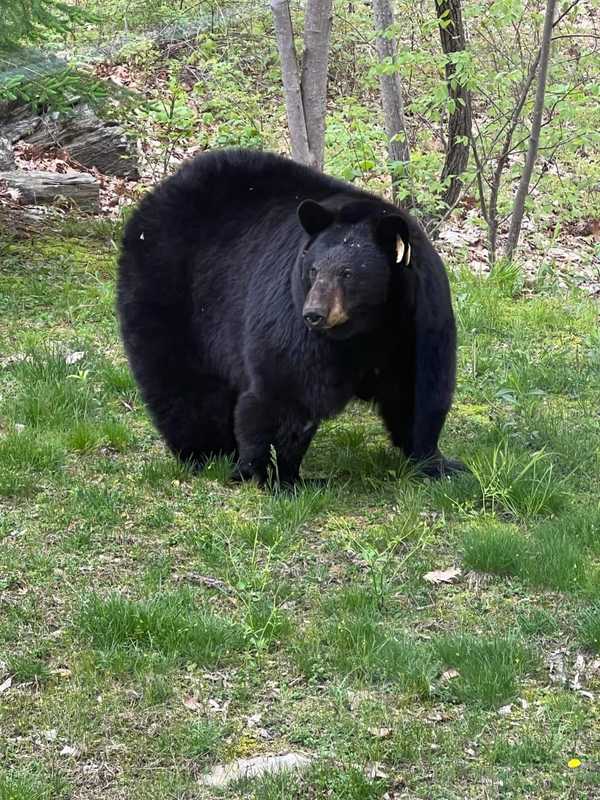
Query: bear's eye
{"x": 347, "y": 273}
{"x": 312, "y": 273}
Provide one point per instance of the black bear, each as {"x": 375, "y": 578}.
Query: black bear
{"x": 257, "y": 297}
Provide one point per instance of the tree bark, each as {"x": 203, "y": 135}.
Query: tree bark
{"x": 453, "y": 40}
{"x": 391, "y": 91}
{"x": 291, "y": 81}
{"x": 317, "y": 33}
{"x": 534, "y": 139}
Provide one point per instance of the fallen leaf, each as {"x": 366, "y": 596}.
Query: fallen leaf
{"x": 73, "y": 358}
{"x": 69, "y": 751}
{"x": 505, "y": 711}
{"x": 380, "y": 733}
{"x": 51, "y": 734}
{"x": 437, "y": 716}
{"x": 5, "y": 686}
{"x": 214, "y": 707}
{"x": 192, "y": 703}
{"x": 556, "y": 663}
{"x": 450, "y": 674}
{"x": 375, "y": 771}
{"x": 203, "y": 580}
{"x": 442, "y": 575}
{"x": 62, "y": 672}
{"x": 355, "y": 699}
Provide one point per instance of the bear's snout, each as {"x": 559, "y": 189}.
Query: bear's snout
{"x": 325, "y": 306}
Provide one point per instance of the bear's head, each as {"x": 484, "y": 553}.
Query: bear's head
{"x": 348, "y": 262}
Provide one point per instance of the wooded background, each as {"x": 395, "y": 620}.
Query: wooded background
{"x": 447, "y": 104}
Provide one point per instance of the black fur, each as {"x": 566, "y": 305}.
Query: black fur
{"x": 215, "y": 276}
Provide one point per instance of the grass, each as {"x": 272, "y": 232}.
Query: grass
{"x": 488, "y": 667}
{"x": 32, "y": 785}
{"x": 162, "y": 621}
{"x": 167, "y": 624}
{"x": 589, "y": 628}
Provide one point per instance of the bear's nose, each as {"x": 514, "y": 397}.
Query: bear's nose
{"x": 314, "y": 319}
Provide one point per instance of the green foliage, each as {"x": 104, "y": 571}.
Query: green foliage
{"x": 34, "y": 20}
{"x": 54, "y": 91}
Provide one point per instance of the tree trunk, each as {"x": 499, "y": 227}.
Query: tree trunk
{"x": 317, "y": 32}
{"x": 391, "y": 93}
{"x": 453, "y": 40}
{"x": 534, "y": 139}
{"x": 291, "y": 81}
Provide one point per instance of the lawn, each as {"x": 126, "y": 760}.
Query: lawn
{"x": 155, "y": 623}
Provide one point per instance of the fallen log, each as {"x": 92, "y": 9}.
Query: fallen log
{"x": 43, "y": 188}
{"x": 7, "y": 159}
{"x": 91, "y": 141}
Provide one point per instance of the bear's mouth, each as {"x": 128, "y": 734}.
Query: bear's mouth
{"x": 338, "y": 332}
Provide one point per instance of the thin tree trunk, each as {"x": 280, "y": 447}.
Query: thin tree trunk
{"x": 511, "y": 125}
{"x": 391, "y": 92}
{"x": 317, "y": 32}
{"x": 291, "y": 81}
{"x": 453, "y": 40}
{"x": 534, "y": 139}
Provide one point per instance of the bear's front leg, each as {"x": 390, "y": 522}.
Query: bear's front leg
{"x": 415, "y": 429}
{"x": 272, "y": 440}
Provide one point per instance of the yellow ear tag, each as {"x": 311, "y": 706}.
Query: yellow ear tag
{"x": 399, "y": 249}
{"x": 402, "y": 252}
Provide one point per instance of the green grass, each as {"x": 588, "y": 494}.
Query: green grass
{"x": 488, "y": 667}
{"x": 168, "y": 624}
{"x": 297, "y": 621}
{"x": 28, "y": 668}
{"x": 31, "y": 785}
{"x": 494, "y": 548}
{"x": 589, "y": 628}
{"x": 554, "y": 555}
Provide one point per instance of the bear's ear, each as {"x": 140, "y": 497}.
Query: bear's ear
{"x": 314, "y": 217}
{"x": 392, "y": 232}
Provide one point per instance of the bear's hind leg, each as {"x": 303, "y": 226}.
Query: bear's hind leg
{"x": 196, "y": 421}
{"x": 416, "y": 431}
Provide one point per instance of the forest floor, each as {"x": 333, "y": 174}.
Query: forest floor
{"x": 154, "y": 623}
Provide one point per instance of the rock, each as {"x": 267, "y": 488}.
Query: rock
{"x": 91, "y": 141}
{"x": 224, "y": 774}
{"x": 7, "y": 159}
{"x": 41, "y": 188}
